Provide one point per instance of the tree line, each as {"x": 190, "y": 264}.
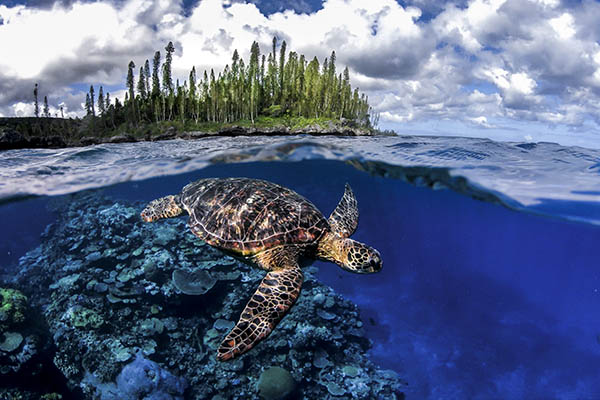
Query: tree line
{"x": 274, "y": 84}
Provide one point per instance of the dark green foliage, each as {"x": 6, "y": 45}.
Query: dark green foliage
{"x": 88, "y": 105}
{"x": 46, "y": 108}
{"x": 130, "y": 100}
{"x": 92, "y": 107}
{"x": 141, "y": 85}
{"x": 101, "y": 104}
{"x": 275, "y": 85}
{"x": 147, "y": 77}
{"x": 36, "y": 105}
{"x": 167, "y": 80}
{"x": 155, "y": 79}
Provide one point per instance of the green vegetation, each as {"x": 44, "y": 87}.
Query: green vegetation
{"x": 12, "y": 307}
{"x": 276, "y": 93}
{"x": 271, "y": 90}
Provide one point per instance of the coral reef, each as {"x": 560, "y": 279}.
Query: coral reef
{"x": 22, "y": 345}
{"x": 112, "y": 291}
{"x": 12, "y": 307}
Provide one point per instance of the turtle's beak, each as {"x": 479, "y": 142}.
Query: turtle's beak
{"x": 375, "y": 262}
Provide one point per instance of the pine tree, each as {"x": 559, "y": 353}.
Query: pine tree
{"x": 46, "y": 108}
{"x": 155, "y": 78}
{"x": 192, "y": 100}
{"x": 141, "y": 85}
{"x": 280, "y": 72}
{"x": 130, "y": 100}
{"x": 299, "y": 89}
{"x": 167, "y": 82}
{"x": 92, "y": 100}
{"x": 101, "y": 105}
{"x": 88, "y": 105}
{"x": 273, "y": 73}
{"x": 130, "y": 81}
{"x": 235, "y": 84}
{"x": 346, "y": 94}
{"x": 181, "y": 96}
{"x": 254, "y": 79}
{"x": 147, "y": 77}
{"x": 36, "y": 106}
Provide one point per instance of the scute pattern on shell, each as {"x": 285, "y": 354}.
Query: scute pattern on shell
{"x": 249, "y": 215}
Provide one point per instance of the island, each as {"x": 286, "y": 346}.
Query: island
{"x": 279, "y": 93}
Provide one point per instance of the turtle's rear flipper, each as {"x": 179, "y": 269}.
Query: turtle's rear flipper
{"x": 165, "y": 207}
{"x": 276, "y": 294}
{"x": 344, "y": 219}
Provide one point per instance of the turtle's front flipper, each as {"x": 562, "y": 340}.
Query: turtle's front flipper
{"x": 276, "y": 294}
{"x": 165, "y": 207}
{"x": 344, "y": 219}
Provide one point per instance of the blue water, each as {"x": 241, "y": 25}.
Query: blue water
{"x": 476, "y": 299}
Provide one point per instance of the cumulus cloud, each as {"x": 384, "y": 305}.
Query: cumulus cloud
{"x": 473, "y": 61}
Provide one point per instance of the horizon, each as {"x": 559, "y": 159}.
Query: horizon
{"x": 505, "y": 70}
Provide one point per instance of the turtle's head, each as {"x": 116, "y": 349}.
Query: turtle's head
{"x": 165, "y": 207}
{"x": 360, "y": 258}
{"x": 349, "y": 254}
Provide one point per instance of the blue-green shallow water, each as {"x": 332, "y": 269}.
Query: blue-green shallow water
{"x": 474, "y": 300}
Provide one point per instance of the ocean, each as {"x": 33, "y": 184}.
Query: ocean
{"x": 490, "y": 286}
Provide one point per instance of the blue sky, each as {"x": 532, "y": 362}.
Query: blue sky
{"x": 524, "y": 70}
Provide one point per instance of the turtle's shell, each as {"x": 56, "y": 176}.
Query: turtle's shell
{"x": 247, "y": 216}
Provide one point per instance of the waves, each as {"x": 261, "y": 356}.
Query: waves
{"x": 543, "y": 178}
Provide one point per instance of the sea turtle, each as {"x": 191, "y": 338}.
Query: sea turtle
{"x": 271, "y": 227}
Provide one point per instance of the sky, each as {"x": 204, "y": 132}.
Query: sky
{"x": 520, "y": 70}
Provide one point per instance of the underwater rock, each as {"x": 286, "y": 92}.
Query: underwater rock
{"x": 141, "y": 379}
{"x": 351, "y": 371}
{"x": 152, "y": 326}
{"x": 223, "y": 325}
{"x": 321, "y": 361}
{"x": 275, "y": 383}
{"x": 326, "y": 315}
{"x": 65, "y": 282}
{"x": 145, "y": 379}
{"x": 335, "y": 389}
{"x": 11, "y": 341}
{"x": 193, "y": 283}
{"x": 164, "y": 235}
{"x": 82, "y": 317}
{"x": 101, "y": 323}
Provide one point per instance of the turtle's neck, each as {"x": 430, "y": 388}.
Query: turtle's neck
{"x": 329, "y": 248}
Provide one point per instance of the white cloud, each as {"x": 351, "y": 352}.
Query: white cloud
{"x": 563, "y": 26}
{"x": 481, "y": 121}
{"x": 476, "y": 61}
{"x": 21, "y": 109}
{"x": 60, "y": 33}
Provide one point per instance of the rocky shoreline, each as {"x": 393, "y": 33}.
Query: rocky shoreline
{"x": 11, "y": 139}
